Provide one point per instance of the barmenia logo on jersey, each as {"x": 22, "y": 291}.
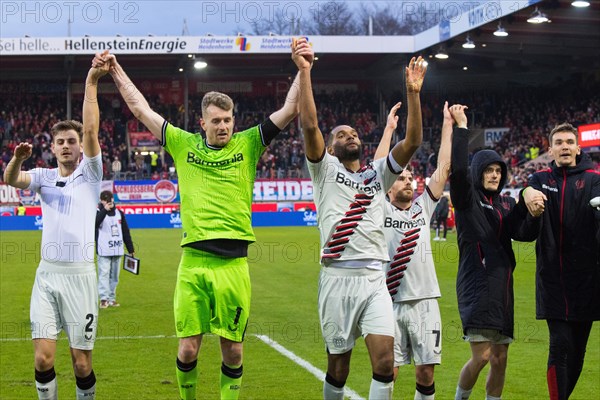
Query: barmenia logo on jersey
{"x": 370, "y": 190}
{"x": 403, "y": 225}
{"x": 194, "y": 159}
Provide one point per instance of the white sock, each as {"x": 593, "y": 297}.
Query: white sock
{"x": 331, "y": 392}
{"x": 488, "y": 397}
{"x": 421, "y": 396}
{"x": 87, "y": 394}
{"x": 381, "y": 390}
{"x": 88, "y": 382}
{"x": 47, "y": 391}
{"x": 462, "y": 394}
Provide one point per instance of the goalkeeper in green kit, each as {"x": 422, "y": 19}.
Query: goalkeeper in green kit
{"x": 216, "y": 181}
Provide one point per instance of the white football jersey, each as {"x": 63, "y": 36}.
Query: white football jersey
{"x": 69, "y": 210}
{"x": 408, "y": 237}
{"x": 350, "y": 209}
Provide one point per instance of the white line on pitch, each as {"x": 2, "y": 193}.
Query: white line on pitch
{"x": 99, "y": 338}
{"x": 320, "y": 375}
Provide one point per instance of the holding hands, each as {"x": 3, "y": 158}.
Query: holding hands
{"x": 303, "y": 54}
{"x": 457, "y": 111}
{"x": 102, "y": 66}
{"x": 534, "y": 200}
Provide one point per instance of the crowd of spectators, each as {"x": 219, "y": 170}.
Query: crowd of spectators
{"x": 529, "y": 117}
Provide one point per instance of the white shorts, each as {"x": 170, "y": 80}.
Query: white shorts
{"x": 494, "y": 336}
{"x": 65, "y": 297}
{"x": 353, "y": 302}
{"x": 418, "y": 332}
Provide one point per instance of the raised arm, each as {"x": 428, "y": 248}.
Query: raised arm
{"x": 13, "y": 174}
{"x": 440, "y": 175}
{"x": 383, "y": 149}
{"x": 91, "y": 113}
{"x": 286, "y": 114}
{"x": 461, "y": 189}
{"x": 415, "y": 74}
{"x": 135, "y": 100}
{"x": 314, "y": 145}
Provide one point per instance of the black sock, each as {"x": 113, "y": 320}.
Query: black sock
{"x": 331, "y": 380}
{"x": 87, "y": 382}
{"x": 45, "y": 376}
{"x": 233, "y": 373}
{"x": 186, "y": 367}
{"x": 382, "y": 378}
{"x": 426, "y": 390}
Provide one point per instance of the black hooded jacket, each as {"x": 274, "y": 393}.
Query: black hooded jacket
{"x": 485, "y": 222}
{"x": 568, "y": 248}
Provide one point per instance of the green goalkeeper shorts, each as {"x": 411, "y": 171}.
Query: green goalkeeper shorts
{"x": 212, "y": 295}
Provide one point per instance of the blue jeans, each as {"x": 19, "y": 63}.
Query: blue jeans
{"x": 108, "y": 276}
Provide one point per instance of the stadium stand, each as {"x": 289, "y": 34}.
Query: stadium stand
{"x": 529, "y": 116}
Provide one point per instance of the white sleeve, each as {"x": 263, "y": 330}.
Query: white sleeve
{"x": 428, "y": 202}
{"x": 388, "y": 170}
{"x": 35, "y": 175}
{"x": 321, "y": 169}
{"x": 92, "y": 168}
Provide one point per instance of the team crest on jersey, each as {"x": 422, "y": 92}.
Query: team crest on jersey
{"x": 368, "y": 175}
{"x": 580, "y": 184}
{"x": 416, "y": 210}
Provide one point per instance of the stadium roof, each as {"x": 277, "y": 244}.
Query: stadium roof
{"x": 531, "y": 54}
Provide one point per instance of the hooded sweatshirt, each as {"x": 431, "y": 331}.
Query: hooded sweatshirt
{"x": 485, "y": 222}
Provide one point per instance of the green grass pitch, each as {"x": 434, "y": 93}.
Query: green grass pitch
{"x": 135, "y": 354}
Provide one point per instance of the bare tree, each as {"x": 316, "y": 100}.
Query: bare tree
{"x": 386, "y": 19}
{"x": 278, "y": 24}
{"x": 331, "y": 18}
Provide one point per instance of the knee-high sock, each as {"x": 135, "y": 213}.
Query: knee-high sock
{"x": 45, "y": 384}
{"x": 425, "y": 392}
{"x": 187, "y": 379}
{"x": 231, "y": 382}
{"x": 333, "y": 389}
{"x": 85, "y": 388}
{"x": 382, "y": 387}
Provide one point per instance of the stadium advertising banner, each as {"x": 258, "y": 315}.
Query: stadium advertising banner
{"x": 455, "y": 17}
{"x": 158, "y": 197}
{"x": 283, "y": 190}
{"x": 146, "y": 191}
{"x": 199, "y": 45}
{"x": 589, "y": 135}
{"x": 171, "y": 220}
{"x": 166, "y": 191}
{"x": 169, "y": 208}
{"x": 8, "y": 194}
{"x": 492, "y": 136}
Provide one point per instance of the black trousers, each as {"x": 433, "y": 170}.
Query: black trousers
{"x": 439, "y": 223}
{"x": 568, "y": 340}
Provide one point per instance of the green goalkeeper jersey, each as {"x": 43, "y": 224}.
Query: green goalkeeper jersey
{"x": 215, "y": 185}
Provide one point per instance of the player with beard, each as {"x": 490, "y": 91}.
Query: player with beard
{"x": 406, "y": 227}
{"x": 353, "y": 298}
